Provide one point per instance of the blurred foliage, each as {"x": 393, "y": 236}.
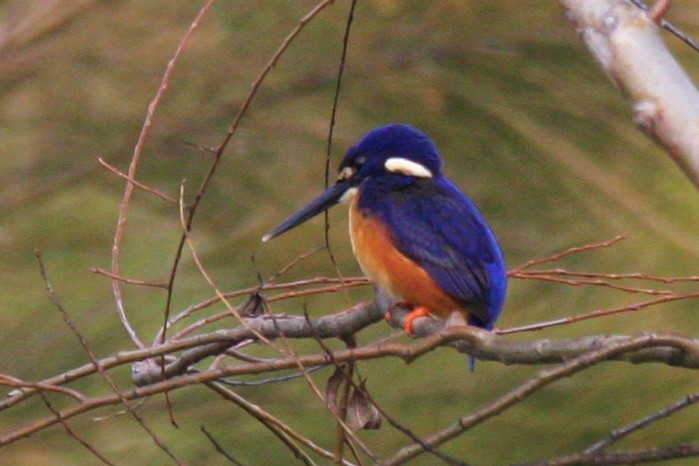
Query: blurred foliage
{"x": 527, "y": 123}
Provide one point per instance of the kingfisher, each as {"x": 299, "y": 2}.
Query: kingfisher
{"x": 414, "y": 233}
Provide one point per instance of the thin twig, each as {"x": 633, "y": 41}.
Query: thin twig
{"x": 291, "y": 265}
{"x": 635, "y": 426}
{"x": 338, "y": 285}
{"x": 579, "y": 282}
{"x": 130, "y": 281}
{"x": 138, "y": 184}
{"x": 333, "y": 113}
{"x": 10, "y": 381}
{"x": 71, "y": 433}
{"x": 219, "y": 448}
{"x": 567, "y": 252}
{"x": 608, "y": 276}
{"x": 197, "y": 260}
{"x": 598, "y": 313}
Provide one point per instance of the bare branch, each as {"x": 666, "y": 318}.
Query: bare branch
{"x": 482, "y": 344}
{"x": 10, "y": 381}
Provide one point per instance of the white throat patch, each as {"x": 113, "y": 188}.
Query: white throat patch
{"x": 348, "y": 195}
{"x": 407, "y": 167}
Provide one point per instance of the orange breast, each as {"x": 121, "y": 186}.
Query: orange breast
{"x": 384, "y": 264}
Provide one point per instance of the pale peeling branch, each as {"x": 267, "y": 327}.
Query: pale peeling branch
{"x": 627, "y": 43}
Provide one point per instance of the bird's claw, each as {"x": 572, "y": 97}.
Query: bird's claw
{"x": 416, "y": 313}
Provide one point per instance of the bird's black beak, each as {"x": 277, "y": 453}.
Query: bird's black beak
{"x": 329, "y": 198}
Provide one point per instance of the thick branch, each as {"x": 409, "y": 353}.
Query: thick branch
{"x": 626, "y": 42}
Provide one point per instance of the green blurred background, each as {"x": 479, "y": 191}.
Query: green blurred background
{"x": 527, "y": 123}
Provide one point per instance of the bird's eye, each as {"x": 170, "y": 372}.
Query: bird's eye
{"x": 359, "y": 161}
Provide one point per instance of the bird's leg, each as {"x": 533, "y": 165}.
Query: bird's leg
{"x": 415, "y": 313}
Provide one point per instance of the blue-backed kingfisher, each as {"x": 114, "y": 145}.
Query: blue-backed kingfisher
{"x": 414, "y": 233}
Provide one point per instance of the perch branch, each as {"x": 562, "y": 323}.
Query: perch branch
{"x": 675, "y": 350}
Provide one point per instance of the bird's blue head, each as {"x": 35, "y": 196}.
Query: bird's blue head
{"x": 393, "y": 149}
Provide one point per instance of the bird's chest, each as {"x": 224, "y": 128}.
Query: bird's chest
{"x": 371, "y": 244}
{"x": 388, "y": 267}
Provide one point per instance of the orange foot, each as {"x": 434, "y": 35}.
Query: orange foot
{"x": 417, "y": 312}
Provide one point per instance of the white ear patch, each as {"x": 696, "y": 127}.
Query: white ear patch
{"x": 407, "y": 167}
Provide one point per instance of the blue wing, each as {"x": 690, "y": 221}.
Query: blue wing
{"x": 439, "y": 227}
